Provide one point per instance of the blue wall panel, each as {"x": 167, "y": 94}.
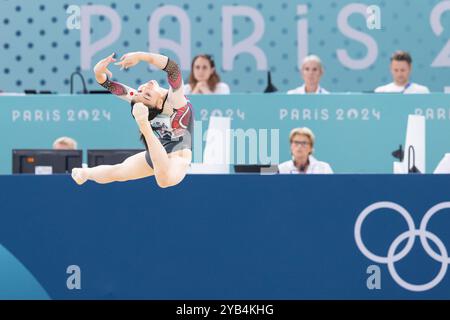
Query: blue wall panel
{"x": 221, "y": 237}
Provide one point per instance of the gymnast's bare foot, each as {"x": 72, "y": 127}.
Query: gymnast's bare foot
{"x": 79, "y": 175}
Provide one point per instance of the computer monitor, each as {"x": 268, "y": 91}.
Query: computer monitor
{"x": 109, "y": 156}
{"x": 98, "y": 92}
{"x": 45, "y": 161}
{"x": 255, "y": 168}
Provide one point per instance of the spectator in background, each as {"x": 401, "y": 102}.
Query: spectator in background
{"x": 401, "y": 66}
{"x": 204, "y": 78}
{"x": 312, "y": 71}
{"x": 65, "y": 143}
{"x": 302, "y": 147}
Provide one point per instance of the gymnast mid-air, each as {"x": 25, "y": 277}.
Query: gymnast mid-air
{"x": 165, "y": 120}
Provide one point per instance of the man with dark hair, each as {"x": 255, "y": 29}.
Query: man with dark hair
{"x": 401, "y": 66}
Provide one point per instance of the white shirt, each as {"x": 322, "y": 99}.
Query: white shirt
{"x": 315, "y": 167}
{"x": 302, "y": 90}
{"x": 410, "y": 88}
{"x": 221, "y": 88}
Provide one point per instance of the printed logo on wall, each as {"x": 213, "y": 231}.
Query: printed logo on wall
{"x": 424, "y": 235}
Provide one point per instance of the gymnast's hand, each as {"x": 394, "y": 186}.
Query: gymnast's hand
{"x": 101, "y": 69}
{"x": 202, "y": 88}
{"x": 130, "y": 59}
{"x": 140, "y": 110}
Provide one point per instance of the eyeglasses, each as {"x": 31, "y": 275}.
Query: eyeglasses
{"x": 301, "y": 143}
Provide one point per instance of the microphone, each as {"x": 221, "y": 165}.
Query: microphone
{"x": 412, "y": 169}
{"x": 270, "y": 87}
{"x": 82, "y": 80}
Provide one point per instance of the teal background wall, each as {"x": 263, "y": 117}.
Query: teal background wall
{"x": 38, "y": 51}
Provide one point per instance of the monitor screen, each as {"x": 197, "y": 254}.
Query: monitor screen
{"x": 255, "y": 168}
{"x": 109, "y": 156}
{"x": 45, "y": 161}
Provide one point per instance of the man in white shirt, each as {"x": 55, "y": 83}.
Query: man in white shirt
{"x": 302, "y": 146}
{"x": 401, "y": 66}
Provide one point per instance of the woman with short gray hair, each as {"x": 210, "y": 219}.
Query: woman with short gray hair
{"x": 302, "y": 147}
{"x": 312, "y": 71}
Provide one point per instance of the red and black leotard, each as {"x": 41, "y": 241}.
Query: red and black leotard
{"x": 173, "y": 125}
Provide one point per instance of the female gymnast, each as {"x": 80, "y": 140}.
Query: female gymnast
{"x": 164, "y": 118}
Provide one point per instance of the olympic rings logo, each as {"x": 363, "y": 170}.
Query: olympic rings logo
{"x": 424, "y": 235}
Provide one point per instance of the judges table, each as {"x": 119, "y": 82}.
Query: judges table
{"x": 226, "y": 237}
{"x": 355, "y": 133}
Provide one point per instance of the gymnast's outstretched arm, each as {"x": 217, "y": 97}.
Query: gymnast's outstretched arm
{"x": 103, "y": 76}
{"x": 174, "y": 77}
{"x": 176, "y": 94}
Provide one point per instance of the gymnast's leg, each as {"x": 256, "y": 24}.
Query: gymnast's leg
{"x": 169, "y": 169}
{"x": 134, "y": 167}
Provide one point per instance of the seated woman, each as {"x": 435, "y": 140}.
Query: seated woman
{"x": 312, "y": 71}
{"x": 302, "y": 147}
{"x": 204, "y": 78}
